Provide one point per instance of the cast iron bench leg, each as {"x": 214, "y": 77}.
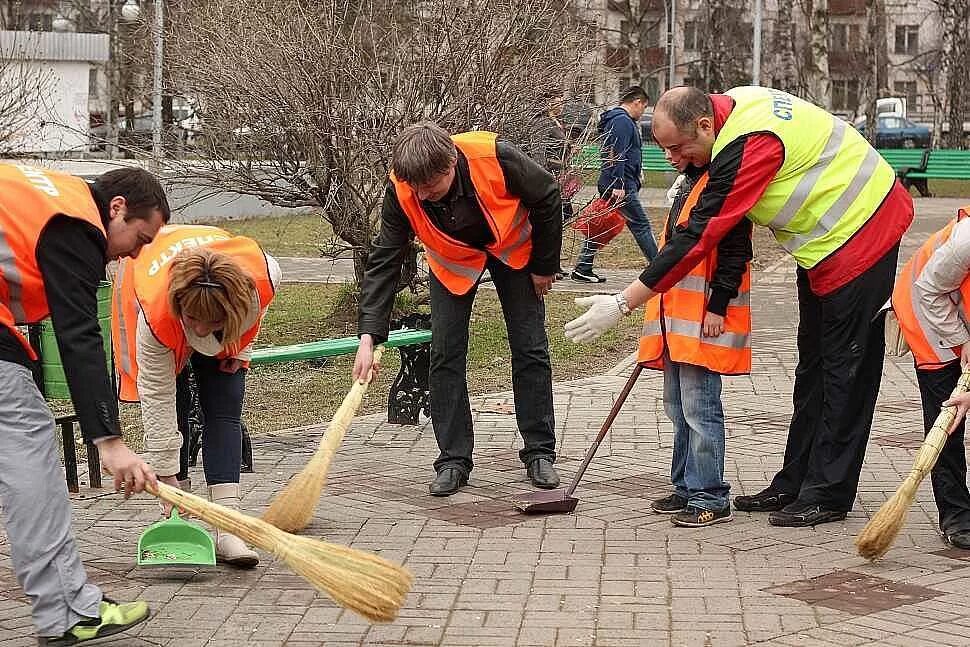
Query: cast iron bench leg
{"x": 70, "y": 454}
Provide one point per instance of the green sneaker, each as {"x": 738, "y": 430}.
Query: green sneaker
{"x": 114, "y": 619}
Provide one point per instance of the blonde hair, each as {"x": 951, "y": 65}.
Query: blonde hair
{"x": 210, "y": 286}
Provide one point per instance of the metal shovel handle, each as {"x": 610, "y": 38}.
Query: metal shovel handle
{"x": 605, "y": 428}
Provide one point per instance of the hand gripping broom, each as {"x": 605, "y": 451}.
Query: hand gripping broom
{"x": 879, "y": 534}
{"x": 293, "y": 508}
{"x": 360, "y": 581}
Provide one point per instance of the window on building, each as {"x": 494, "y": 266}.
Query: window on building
{"x": 845, "y": 94}
{"x": 907, "y": 39}
{"x": 93, "y": 82}
{"x": 907, "y": 89}
{"x": 36, "y": 21}
{"x": 844, "y": 38}
{"x": 691, "y": 36}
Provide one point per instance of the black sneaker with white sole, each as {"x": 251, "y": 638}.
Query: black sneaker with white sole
{"x": 587, "y": 277}
{"x": 669, "y": 504}
{"x": 694, "y": 517}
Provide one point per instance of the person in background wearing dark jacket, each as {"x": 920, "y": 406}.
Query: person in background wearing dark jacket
{"x": 57, "y": 233}
{"x": 475, "y": 202}
{"x": 836, "y": 206}
{"x": 619, "y": 180}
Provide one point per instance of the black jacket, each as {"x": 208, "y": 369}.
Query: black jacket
{"x": 734, "y": 251}
{"x": 459, "y": 215}
{"x": 72, "y": 255}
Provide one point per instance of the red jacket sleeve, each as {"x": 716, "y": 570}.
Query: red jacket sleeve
{"x": 738, "y": 178}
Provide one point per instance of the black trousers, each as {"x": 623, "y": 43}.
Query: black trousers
{"x": 525, "y": 316}
{"x": 950, "y": 472}
{"x": 841, "y": 341}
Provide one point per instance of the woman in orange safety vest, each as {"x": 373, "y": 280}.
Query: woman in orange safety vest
{"x": 195, "y": 296}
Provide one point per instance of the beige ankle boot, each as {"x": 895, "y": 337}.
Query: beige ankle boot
{"x": 230, "y": 548}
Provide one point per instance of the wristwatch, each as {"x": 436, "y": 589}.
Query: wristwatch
{"x": 621, "y": 304}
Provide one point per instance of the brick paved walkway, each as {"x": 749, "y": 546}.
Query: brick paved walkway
{"x": 611, "y": 575}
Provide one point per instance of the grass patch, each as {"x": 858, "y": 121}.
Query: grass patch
{"x": 304, "y": 393}
{"x": 947, "y": 188}
{"x": 284, "y": 236}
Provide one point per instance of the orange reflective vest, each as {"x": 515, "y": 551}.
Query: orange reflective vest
{"x": 929, "y": 351}
{"x": 142, "y": 285}
{"x": 29, "y": 198}
{"x": 457, "y": 265}
{"x": 674, "y": 319}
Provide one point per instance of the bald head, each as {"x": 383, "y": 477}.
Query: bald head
{"x": 684, "y": 105}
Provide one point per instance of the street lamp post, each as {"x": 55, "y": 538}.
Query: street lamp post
{"x": 756, "y": 46}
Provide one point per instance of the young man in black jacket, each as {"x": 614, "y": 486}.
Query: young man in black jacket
{"x": 57, "y": 233}
{"x": 475, "y": 202}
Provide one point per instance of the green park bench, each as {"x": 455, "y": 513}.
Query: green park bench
{"x": 938, "y": 164}
{"x": 409, "y": 394}
{"x": 652, "y": 159}
{"x": 904, "y": 159}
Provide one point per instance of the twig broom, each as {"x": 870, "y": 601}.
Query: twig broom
{"x": 360, "y": 581}
{"x": 881, "y": 531}
{"x": 293, "y": 507}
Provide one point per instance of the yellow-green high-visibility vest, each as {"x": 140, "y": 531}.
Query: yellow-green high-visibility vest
{"x": 831, "y": 180}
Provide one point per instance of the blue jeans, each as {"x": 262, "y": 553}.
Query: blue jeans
{"x": 639, "y": 226}
{"x": 221, "y": 399}
{"x": 692, "y": 400}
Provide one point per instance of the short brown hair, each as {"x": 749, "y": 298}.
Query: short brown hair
{"x": 210, "y": 286}
{"x": 141, "y": 190}
{"x": 422, "y": 152}
{"x": 685, "y": 105}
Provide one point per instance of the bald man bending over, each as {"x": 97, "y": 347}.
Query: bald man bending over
{"x": 835, "y": 205}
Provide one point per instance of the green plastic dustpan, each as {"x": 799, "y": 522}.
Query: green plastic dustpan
{"x": 174, "y": 542}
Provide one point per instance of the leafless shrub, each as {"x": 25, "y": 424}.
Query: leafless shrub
{"x": 301, "y": 101}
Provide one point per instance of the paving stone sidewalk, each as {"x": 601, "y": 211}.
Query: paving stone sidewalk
{"x": 611, "y": 575}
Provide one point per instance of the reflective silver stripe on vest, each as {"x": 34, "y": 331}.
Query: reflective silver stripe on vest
{"x": 11, "y": 276}
{"x": 651, "y": 328}
{"x": 831, "y": 217}
{"x": 942, "y": 351}
{"x": 805, "y": 185}
{"x": 455, "y": 268}
{"x": 122, "y": 322}
{"x": 689, "y": 328}
{"x": 524, "y": 228}
{"x": 695, "y": 283}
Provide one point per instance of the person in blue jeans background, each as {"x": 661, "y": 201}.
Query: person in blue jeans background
{"x": 619, "y": 181}
{"x": 695, "y": 332}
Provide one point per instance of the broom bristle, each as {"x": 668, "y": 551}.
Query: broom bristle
{"x": 360, "y": 581}
{"x": 882, "y": 530}
{"x": 292, "y": 509}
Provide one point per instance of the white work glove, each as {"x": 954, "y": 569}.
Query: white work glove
{"x": 604, "y": 313}
{"x": 675, "y": 189}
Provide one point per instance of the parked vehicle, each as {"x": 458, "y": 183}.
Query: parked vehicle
{"x": 897, "y": 132}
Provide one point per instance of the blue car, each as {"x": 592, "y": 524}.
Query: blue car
{"x": 898, "y": 132}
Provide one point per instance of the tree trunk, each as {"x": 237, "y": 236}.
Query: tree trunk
{"x": 876, "y": 80}
{"x": 819, "y": 82}
{"x": 954, "y": 16}
{"x": 784, "y": 38}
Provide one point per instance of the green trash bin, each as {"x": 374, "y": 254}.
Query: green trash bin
{"x": 55, "y": 383}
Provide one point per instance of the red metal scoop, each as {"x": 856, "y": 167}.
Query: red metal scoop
{"x": 562, "y": 501}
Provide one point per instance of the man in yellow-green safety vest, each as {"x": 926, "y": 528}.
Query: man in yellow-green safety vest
{"x": 835, "y": 205}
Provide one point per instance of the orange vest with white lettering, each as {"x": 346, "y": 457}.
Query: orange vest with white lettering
{"x": 29, "y": 198}
{"x": 142, "y": 285}
{"x": 929, "y": 351}
{"x": 457, "y": 265}
{"x": 674, "y": 320}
